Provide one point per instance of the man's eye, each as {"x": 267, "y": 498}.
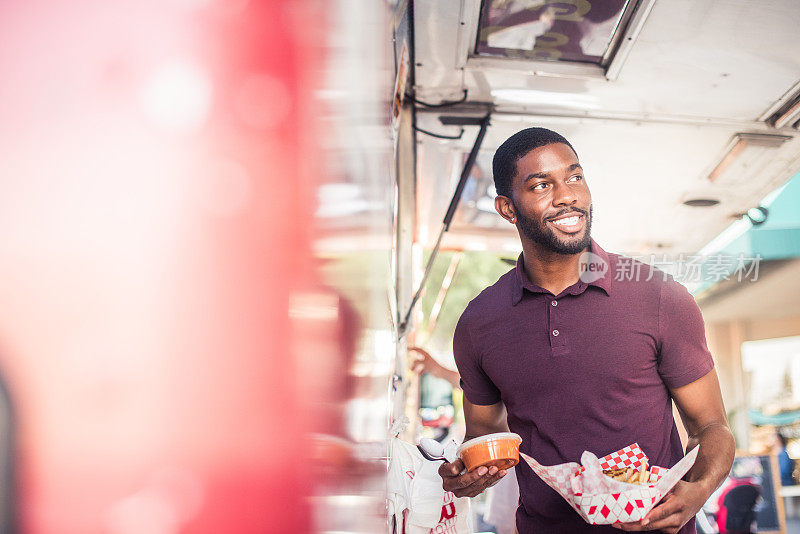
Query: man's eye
{"x": 539, "y": 186}
{"x": 576, "y": 178}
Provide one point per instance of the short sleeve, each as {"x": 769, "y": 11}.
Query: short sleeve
{"x": 477, "y": 386}
{"x": 683, "y": 353}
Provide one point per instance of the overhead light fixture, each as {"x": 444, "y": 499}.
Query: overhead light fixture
{"x": 757, "y": 215}
{"x": 745, "y": 155}
{"x": 786, "y": 111}
{"x": 701, "y": 202}
{"x": 544, "y": 98}
{"x": 791, "y": 115}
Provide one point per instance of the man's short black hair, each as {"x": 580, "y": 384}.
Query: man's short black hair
{"x": 504, "y": 164}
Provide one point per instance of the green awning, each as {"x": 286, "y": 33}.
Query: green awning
{"x": 786, "y": 418}
{"x": 776, "y": 238}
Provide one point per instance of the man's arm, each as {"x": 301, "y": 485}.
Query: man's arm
{"x": 703, "y": 414}
{"x": 481, "y": 420}
{"x": 423, "y": 362}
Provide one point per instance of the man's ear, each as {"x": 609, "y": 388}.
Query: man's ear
{"x": 505, "y": 208}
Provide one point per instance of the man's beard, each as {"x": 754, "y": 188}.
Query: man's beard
{"x": 545, "y": 236}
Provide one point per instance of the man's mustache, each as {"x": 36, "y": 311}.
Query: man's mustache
{"x": 565, "y": 211}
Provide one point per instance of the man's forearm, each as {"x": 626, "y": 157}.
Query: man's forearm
{"x": 715, "y": 457}
{"x": 488, "y": 420}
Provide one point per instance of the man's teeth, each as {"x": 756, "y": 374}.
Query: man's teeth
{"x": 567, "y": 221}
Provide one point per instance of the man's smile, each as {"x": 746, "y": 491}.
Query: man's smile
{"x": 569, "y": 223}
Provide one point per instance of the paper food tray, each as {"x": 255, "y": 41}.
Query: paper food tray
{"x": 601, "y": 500}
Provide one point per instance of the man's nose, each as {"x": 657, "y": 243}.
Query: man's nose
{"x": 563, "y": 195}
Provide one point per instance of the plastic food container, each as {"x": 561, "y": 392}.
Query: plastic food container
{"x": 500, "y": 450}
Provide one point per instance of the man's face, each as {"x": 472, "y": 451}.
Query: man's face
{"x": 551, "y": 200}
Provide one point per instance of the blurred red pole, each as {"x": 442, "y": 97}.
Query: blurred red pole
{"x": 157, "y": 202}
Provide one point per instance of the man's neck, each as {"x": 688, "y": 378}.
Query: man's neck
{"x": 548, "y": 269}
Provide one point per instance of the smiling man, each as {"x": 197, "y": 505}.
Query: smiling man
{"x": 573, "y": 359}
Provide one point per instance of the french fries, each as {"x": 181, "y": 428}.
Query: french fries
{"x": 629, "y": 474}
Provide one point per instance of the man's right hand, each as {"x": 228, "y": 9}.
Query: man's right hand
{"x": 468, "y": 484}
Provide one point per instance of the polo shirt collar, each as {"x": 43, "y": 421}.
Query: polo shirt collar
{"x": 521, "y": 283}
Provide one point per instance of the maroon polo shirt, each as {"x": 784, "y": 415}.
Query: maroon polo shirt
{"x": 588, "y": 369}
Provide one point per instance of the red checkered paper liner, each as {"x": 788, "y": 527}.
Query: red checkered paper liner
{"x": 601, "y": 500}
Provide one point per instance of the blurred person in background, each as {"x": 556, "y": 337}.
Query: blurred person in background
{"x": 785, "y": 463}
{"x": 738, "y": 498}
{"x": 574, "y": 359}
{"x": 423, "y": 362}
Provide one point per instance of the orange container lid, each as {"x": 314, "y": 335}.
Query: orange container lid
{"x": 488, "y": 437}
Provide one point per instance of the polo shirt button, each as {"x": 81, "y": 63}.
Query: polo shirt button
{"x": 554, "y": 303}
{"x": 555, "y": 332}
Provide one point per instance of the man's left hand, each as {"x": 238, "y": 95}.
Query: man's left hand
{"x": 679, "y": 505}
